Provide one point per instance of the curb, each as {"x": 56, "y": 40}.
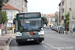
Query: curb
{"x": 72, "y": 34}
{"x": 7, "y": 45}
{"x": 9, "y": 40}
{"x": 69, "y": 33}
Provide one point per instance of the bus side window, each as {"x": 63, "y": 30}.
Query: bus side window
{"x": 19, "y": 25}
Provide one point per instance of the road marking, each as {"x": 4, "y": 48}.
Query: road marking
{"x": 46, "y": 47}
{"x": 51, "y": 46}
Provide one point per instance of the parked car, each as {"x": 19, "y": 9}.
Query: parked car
{"x": 60, "y": 29}
{"x": 47, "y": 27}
{"x": 53, "y": 27}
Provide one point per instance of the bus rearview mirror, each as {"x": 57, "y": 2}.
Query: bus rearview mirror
{"x": 14, "y": 21}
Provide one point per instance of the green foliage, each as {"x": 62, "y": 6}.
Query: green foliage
{"x": 45, "y": 20}
{"x": 5, "y": 1}
{"x": 3, "y": 17}
{"x": 67, "y": 19}
{"x": 1, "y": 3}
{"x": 67, "y": 15}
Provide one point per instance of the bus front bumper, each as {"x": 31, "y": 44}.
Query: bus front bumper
{"x": 29, "y": 38}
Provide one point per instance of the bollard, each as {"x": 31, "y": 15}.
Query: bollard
{"x": 64, "y": 32}
{"x": 3, "y": 32}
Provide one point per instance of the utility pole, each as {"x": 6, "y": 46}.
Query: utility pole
{"x": 6, "y": 22}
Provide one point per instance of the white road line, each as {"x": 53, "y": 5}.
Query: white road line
{"x": 46, "y": 47}
{"x": 50, "y": 46}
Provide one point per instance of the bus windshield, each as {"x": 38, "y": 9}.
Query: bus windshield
{"x": 28, "y": 24}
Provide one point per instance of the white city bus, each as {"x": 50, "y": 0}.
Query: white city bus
{"x": 29, "y": 27}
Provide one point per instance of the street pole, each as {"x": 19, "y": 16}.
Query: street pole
{"x": 6, "y": 22}
{"x": 10, "y": 27}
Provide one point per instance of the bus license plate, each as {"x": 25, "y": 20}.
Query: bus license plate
{"x": 30, "y": 39}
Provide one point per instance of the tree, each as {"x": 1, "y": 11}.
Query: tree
{"x": 45, "y": 20}
{"x": 67, "y": 20}
{"x": 2, "y": 3}
{"x": 3, "y": 17}
{"x": 5, "y": 1}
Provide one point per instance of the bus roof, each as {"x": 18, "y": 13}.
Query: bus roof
{"x": 29, "y": 12}
{"x": 29, "y": 15}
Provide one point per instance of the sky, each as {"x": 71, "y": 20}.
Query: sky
{"x": 43, "y": 6}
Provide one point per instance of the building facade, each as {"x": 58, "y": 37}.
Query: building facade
{"x": 64, "y": 6}
{"x": 52, "y": 19}
{"x": 72, "y": 15}
{"x": 11, "y": 12}
{"x": 19, "y": 4}
{"x": 57, "y": 18}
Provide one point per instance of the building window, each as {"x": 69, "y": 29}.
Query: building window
{"x": 62, "y": 3}
{"x": 9, "y": 24}
{"x": 62, "y": 10}
{"x": 10, "y": 16}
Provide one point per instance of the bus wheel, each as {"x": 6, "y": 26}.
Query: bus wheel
{"x": 19, "y": 43}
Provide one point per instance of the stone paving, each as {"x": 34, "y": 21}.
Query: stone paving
{"x": 4, "y": 40}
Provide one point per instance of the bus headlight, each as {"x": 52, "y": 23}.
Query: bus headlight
{"x": 18, "y": 34}
{"x": 41, "y": 33}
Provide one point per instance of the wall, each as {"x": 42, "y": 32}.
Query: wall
{"x": 52, "y": 21}
{"x": 16, "y": 3}
{"x": 66, "y": 7}
{"x": 19, "y": 4}
{"x": 72, "y": 15}
{"x": 14, "y": 12}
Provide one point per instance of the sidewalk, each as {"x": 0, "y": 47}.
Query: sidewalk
{"x": 4, "y": 40}
{"x": 69, "y": 33}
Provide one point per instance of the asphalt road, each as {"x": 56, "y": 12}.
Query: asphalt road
{"x": 53, "y": 41}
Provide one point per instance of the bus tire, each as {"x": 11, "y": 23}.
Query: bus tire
{"x": 19, "y": 43}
